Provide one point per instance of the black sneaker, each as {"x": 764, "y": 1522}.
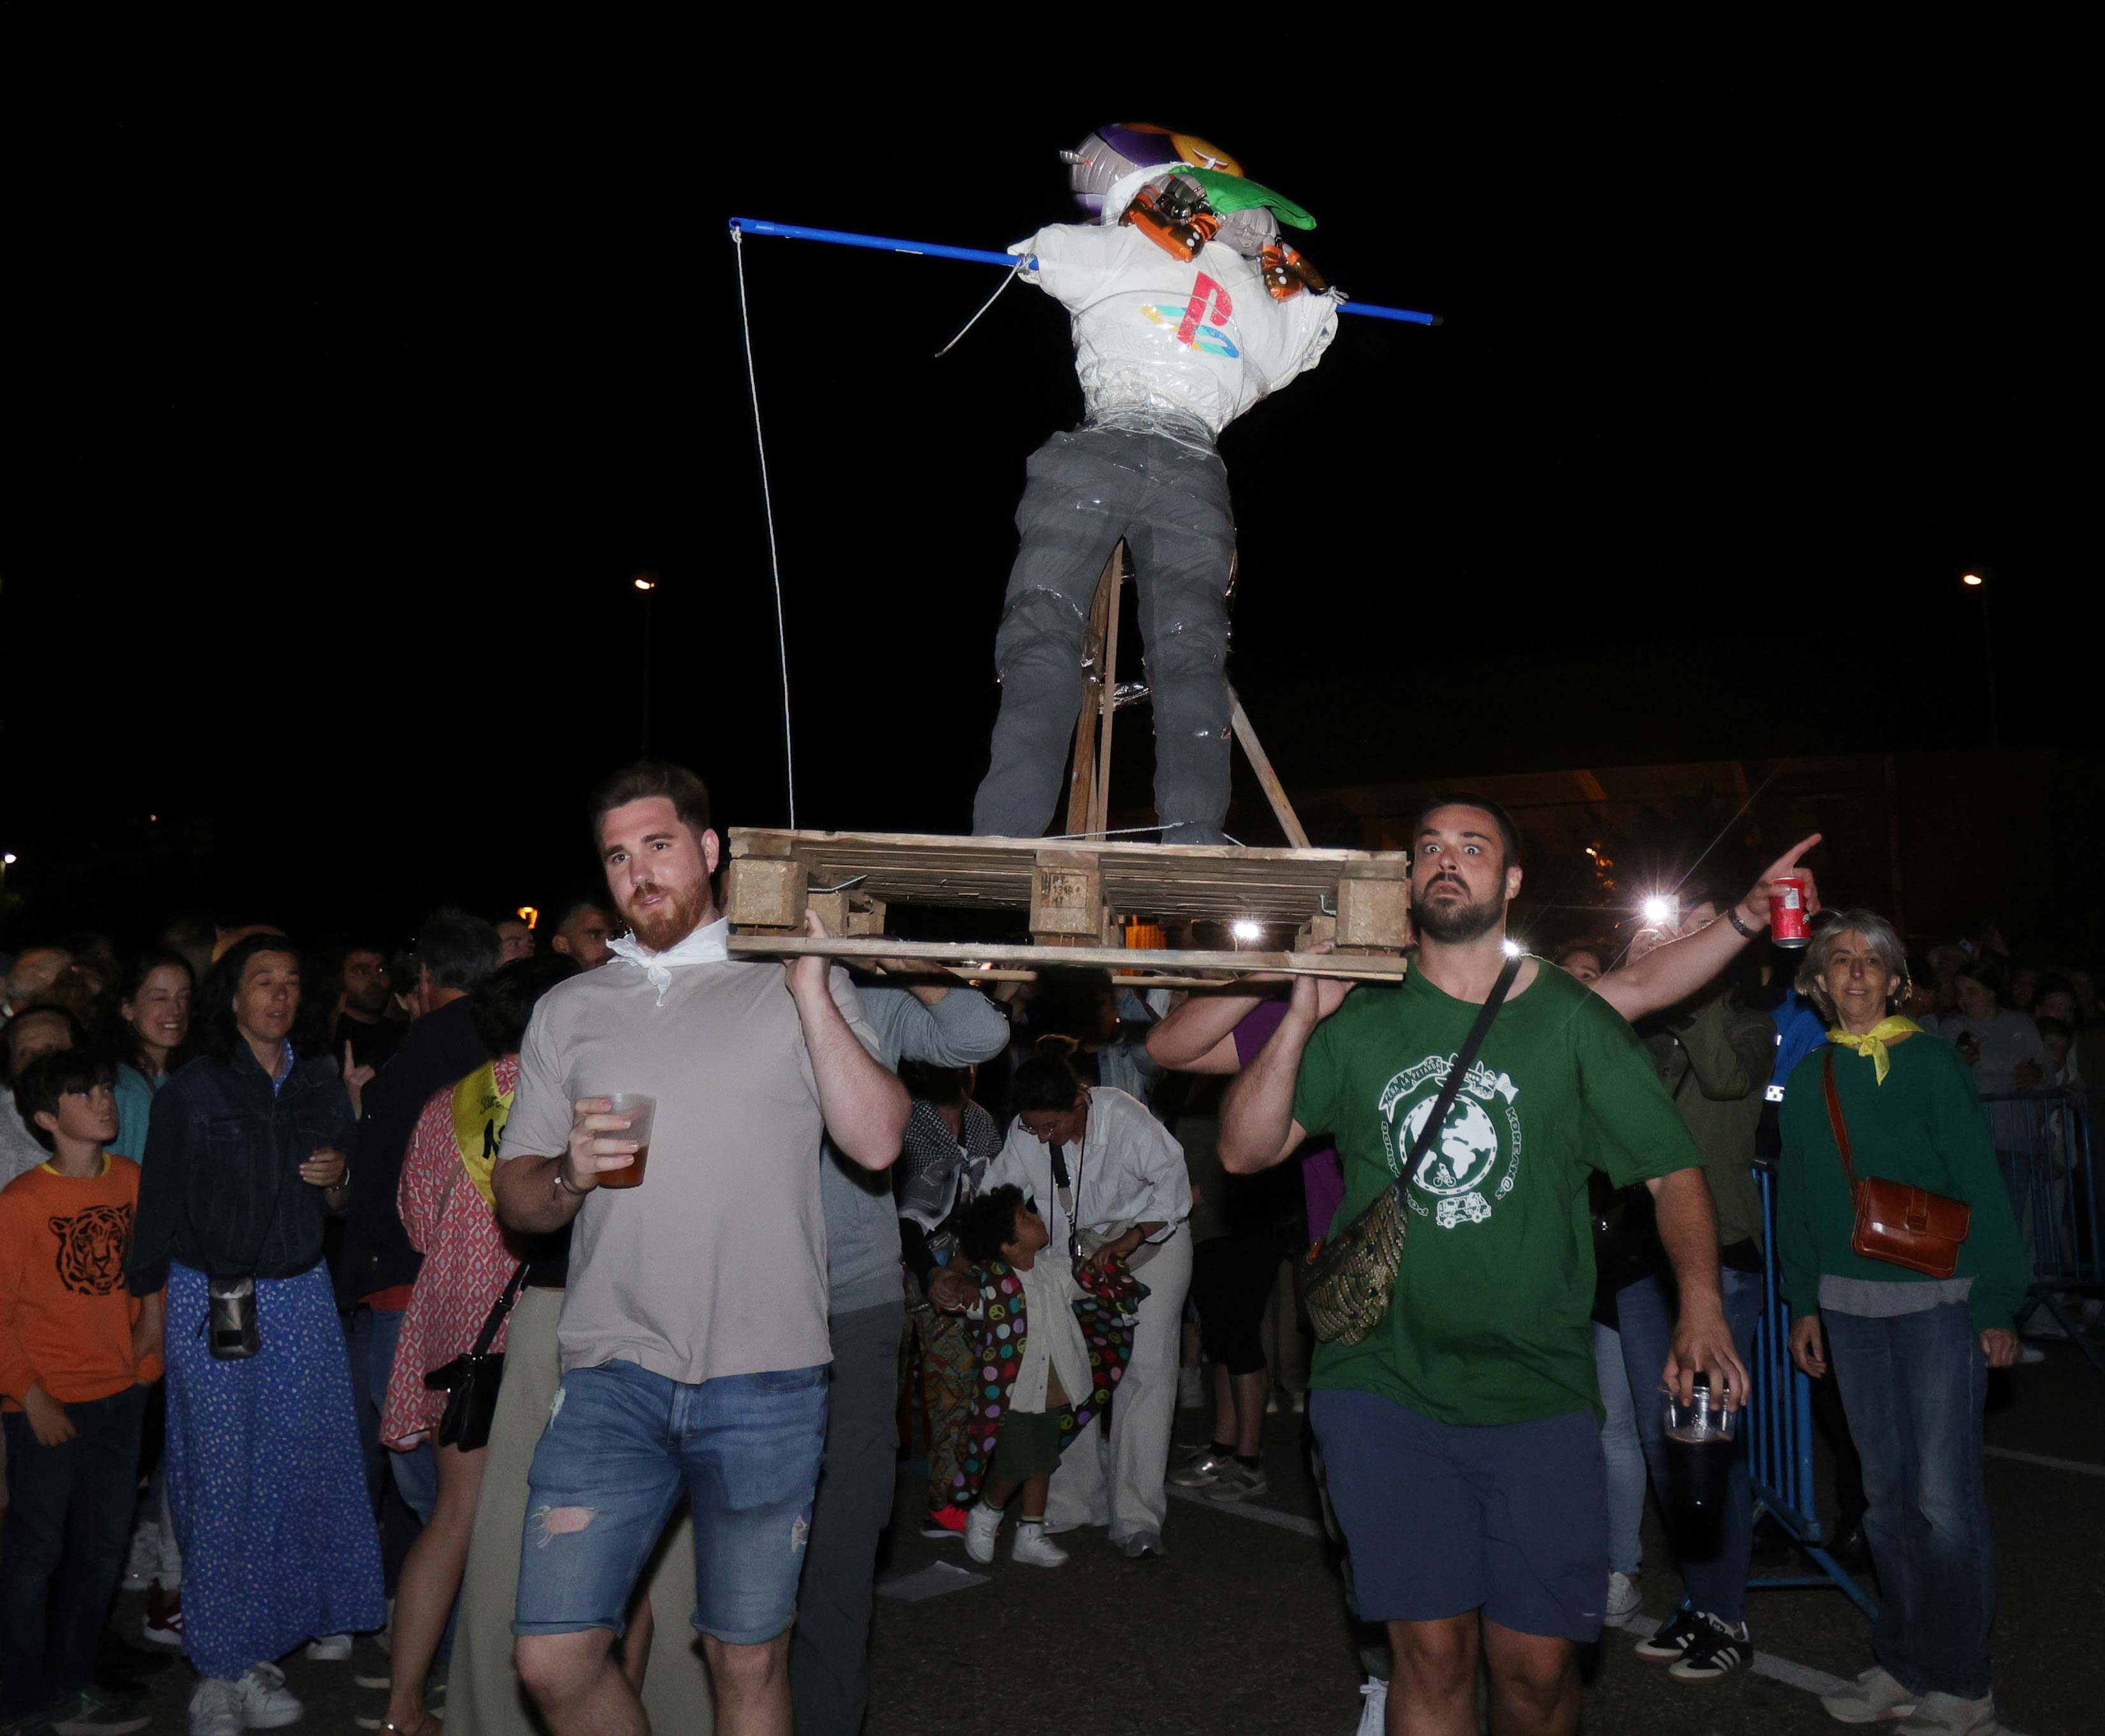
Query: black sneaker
{"x": 1714, "y": 1652}
{"x": 1671, "y": 1640}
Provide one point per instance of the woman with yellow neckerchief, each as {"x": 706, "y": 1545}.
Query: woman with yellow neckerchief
{"x": 448, "y": 1209}
{"x": 1911, "y": 1352}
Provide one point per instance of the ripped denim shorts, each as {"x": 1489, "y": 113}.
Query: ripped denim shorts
{"x": 621, "y": 1446}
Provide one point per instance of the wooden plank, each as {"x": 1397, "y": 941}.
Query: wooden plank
{"x": 1081, "y": 780}
{"x": 1112, "y": 585}
{"x": 1358, "y": 967}
{"x": 1274, "y": 791}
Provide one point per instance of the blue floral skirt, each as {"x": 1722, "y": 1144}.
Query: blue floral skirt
{"x": 265, "y": 1483}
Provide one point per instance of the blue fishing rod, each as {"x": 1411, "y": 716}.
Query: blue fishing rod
{"x": 983, "y": 256}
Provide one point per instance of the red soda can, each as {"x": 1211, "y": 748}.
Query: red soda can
{"x": 1788, "y": 923}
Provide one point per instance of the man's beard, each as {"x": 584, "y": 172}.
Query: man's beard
{"x": 1457, "y": 924}
{"x": 672, "y": 921}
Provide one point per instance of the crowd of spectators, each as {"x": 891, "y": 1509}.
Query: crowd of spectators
{"x": 274, "y": 1218}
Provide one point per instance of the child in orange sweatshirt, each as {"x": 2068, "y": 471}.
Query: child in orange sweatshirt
{"x": 77, "y": 1355}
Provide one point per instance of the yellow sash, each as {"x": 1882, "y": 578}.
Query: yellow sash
{"x": 1873, "y": 1042}
{"x": 480, "y": 1112}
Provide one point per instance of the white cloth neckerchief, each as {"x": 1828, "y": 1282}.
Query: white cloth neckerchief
{"x": 705, "y": 946}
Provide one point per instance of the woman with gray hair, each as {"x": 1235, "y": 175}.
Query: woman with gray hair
{"x": 1911, "y": 1352}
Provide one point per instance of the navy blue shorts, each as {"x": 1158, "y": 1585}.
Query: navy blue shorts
{"x": 1440, "y": 1520}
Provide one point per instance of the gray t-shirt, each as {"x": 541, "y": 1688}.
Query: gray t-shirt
{"x": 716, "y": 1264}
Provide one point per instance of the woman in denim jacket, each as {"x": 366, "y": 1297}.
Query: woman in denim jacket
{"x": 243, "y": 1165}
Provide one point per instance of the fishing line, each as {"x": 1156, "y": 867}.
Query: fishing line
{"x": 767, "y": 506}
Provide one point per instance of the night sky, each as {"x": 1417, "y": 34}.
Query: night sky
{"x": 340, "y": 425}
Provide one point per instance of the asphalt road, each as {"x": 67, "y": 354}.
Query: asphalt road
{"x": 1238, "y": 1629}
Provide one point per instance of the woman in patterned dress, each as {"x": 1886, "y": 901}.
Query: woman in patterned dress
{"x": 447, "y": 1208}
{"x": 243, "y": 1162}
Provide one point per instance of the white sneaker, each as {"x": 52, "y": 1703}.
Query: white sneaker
{"x": 1875, "y": 1697}
{"x": 266, "y": 1702}
{"x": 1623, "y": 1597}
{"x": 216, "y": 1708}
{"x": 329, "y": 1648}
{"x": 1031, "y": 1547}
{"x": 982, "y": 1526}
{"x": 1374, "y": 1706}
{"x": 1947, "y": 1715}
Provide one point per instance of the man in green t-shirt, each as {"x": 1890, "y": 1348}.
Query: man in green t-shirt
{"x": 1461, "y": 1437}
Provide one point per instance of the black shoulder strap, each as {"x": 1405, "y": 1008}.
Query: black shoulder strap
{"x": 1465, "y": 1057}
{"x": 487, "y": 1336}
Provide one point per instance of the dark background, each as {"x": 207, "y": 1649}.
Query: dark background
{"x": 346, "y": 405}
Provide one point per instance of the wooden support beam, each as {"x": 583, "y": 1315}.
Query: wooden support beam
{"x": 1274, "y": 791}
{"x": 1353, "y": 966}
{"x": 1314, "y": 932}
{"x": 1373, "y": 913}
{"x": 766, "y": 892}
{"x": 849, "y": 913}
{"x": 1066, "y": 896}
{"x": 1082, "y": 779}
{"x": 1112, "y": 584}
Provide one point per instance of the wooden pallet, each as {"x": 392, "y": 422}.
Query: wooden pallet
{"x": 1075, "y": 894}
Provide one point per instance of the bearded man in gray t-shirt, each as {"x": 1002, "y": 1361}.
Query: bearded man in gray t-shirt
{"x": 693, "y": 1336}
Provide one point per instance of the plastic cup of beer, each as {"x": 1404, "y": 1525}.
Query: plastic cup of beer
{"x": 641, "y": 1110}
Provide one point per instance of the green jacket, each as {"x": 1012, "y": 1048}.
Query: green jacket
{"x": 1714, "y": 1066}
{"x": 1924, "y": 1126}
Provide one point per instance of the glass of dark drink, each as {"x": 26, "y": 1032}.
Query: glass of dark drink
{"x": 1702, "y": 1437}
{"x": 641, "y": 1110}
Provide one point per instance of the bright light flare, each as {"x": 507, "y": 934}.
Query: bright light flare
{"x": 529, "y": 916}
{"x": 1246, "y": 930}
{"x": 644, "y": 584}
{"x": 1972, "y": 578}
{"x": 1658, "y": 910}
{"x": 1512, "y": 948}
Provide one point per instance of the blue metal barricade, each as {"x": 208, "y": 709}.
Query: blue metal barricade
{"x": 2043, "y": 1142}
{"x": 1778, "y": 1424}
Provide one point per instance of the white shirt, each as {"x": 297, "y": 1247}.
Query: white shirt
{"x": 1156, "y": 337}
{"x": 1130, "y": 1171}
{"x": 1051, "y": 1334}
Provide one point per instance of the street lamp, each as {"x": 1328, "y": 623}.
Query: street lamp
{"x": 646, "y": 583}
{"x": 1977, "y": 581}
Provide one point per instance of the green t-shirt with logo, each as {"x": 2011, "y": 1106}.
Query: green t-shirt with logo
{"x": 1490, "y": 1320}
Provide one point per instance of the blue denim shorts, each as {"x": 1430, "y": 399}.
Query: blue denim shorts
{"x": 1512, "y": 1520}
{"x": 622, "y": 1445}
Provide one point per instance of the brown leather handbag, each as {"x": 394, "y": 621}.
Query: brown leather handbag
{"x": 1897, "y": 1222}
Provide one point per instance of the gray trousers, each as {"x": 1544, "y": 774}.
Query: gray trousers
{"x": 1087, "y": 489}
{"x": 830, "y": 1650}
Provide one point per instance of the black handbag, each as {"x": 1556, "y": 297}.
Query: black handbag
{"x": 1351, "y": 1276}
{"x": 471, "y": 1381}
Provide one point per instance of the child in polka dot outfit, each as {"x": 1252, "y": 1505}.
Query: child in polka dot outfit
{"x": 1052, "y": 1338}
